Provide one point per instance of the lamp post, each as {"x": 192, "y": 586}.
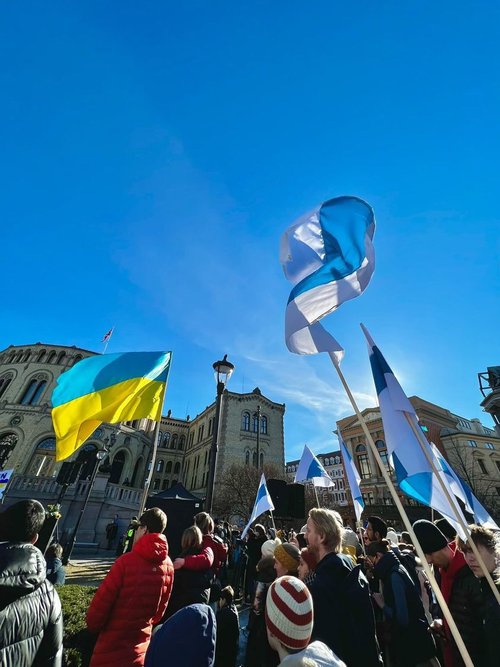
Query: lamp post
{"x": 256, "y": 416}
{"x": 223, "y": 371}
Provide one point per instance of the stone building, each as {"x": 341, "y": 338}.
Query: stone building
{"x": 336, "y": 496}
{"x": 472, "y": 448}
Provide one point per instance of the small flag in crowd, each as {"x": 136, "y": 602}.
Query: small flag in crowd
{"x": 107, "y": 336}
{"x": 107, "y": 388}
{"x": 353, "y": 479}
{"x": 413, "y": 471}
{"x": 310, "y": 468}
{"x": 263, "y": 503}
{"x": 328, "y": 255}
{"x": 5, "y": 476}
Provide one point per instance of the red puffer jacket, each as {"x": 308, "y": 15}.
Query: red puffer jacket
{"x": 130, "y": 600}
{"x": 212, "y": 545}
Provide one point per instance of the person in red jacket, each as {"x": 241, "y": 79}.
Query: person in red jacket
{"x": 133, "y": 596}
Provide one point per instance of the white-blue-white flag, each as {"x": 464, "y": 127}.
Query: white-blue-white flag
{"x": 310, "y": 469}
{"x": 353, "y": 479}
{"x": 263, "y": 503}
{"x": 481, "y": 514}
{"x": 413, "y": 471}
{"x": 453, "y": 479}
{"x": 328, "y": 255}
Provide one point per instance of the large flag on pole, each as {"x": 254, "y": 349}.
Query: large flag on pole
{"x": 353, "y": 479}
{"x": 413, "y": 471}
{"x": 310, "y": 469}
{"x": 451, "y": 477}
{"x": 328, "y": 256}
{"x": 263, "y": 503}
{"x": 107, "y": 388}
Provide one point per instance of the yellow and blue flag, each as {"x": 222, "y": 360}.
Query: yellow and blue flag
{"x": 107, "y": 388}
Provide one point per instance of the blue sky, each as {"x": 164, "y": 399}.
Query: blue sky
{"x": 153, "y": 154}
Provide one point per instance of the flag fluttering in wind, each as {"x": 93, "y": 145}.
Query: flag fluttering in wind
{"x": 413, "y": 471}
{"x": 353, "y": 479}
{"x": 328, "y": 255}
{"x": 451, "y": 477}
{"x": 107, "y": 388}
{"x": 263, "y": 503}
{"x": 107, "y": 336}
{"x": 310, "y": 469}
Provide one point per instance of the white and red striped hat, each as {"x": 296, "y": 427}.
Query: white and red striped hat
{"x": 289, "y": 612}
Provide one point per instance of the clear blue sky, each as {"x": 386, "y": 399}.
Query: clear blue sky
{"x": 152, "y": 153}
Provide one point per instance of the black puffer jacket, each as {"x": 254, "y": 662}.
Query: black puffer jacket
{"x": 30, "y": 610}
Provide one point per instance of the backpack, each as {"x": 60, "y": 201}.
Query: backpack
{"x": 407, "y": 560}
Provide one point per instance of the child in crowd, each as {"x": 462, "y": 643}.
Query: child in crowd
{"x": 228, "y": 630}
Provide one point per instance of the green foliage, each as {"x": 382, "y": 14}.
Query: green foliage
{"x": 75, "y": 601}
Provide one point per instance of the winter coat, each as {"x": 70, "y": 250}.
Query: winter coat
{"x": 341, "y": 605}
{"x": 191, "y": 586}
{"x": 491, "y": 624}
{"x": 410, "y": 641}
{"x": 258, "y": 652}
{"x": 31, "y": 623}
{"x": 56, "y": 573}
{"x": 228, "y": 636}
{"x": 462, "y": 592}
{"x": 187, "y": 639}
{"x": 131, "y": 599}
{"x": 317, "y": 654}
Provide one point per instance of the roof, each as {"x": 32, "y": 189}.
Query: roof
{"x": 177, "y": 492}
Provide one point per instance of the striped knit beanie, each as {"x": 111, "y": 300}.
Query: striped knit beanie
{"x": 289, "y": 612}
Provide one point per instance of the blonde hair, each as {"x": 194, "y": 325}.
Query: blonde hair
{"x": 204, "y": 522}
{"x": 191, "y": 538}
{"x": 328, "y": 526}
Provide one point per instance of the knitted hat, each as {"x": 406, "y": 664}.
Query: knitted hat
{"x": 392, "y": 536}
{"x": 430, "y": 537}
{"x": 269, "y": 546}
{"x": 288, "y": 555}
{"x": 309, "y": 558}
{"x": 289, "y": 612}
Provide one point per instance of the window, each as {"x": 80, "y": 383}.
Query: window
{"x": 247, "y": 458}
{"x": 41, "y": 356}
{"x": 263, "y": 425}
{"x": 177, "y": 468}
{"x": 363, "y": 462}
{"x": 27, "y": 355}
{"x": 191, "y": 439}
{"x": 77, "y": 359}
{"x": 489, "y": 445}
{"x": 156, "y": 484}
{"x": 166, "y": 440}
{"x": 61, "y": 357}
{"x": 383, "y": 454}
{"x": 255, "y": 422}
{"x": 254, "y": 459}
{"x": 482, "y": 466}
{"x": 4, "y": 383}
{"x": 245, "y": 421}
{"x": 160, "y": 465}
{"x": 182, "y": 440}
{"x": 368, "y": 498}
{"x": 261, "y": 456}
{"x": 51, "y": 357}
{"x": 472, "y": 443}
{"x": 164, "y": 484}
{"x": 33, "y": 392}
{"x": 210, "y": 426}
{"x": 497, "y": 463}
{"x": 174, "y": 441}
{"x": 174, "y": 482}
{"x": 169, "y": 466}
{"x": 465, "y": 424}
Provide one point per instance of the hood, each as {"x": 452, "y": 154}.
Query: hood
{"x": 152, "y": 546}
{"x": 317, "y": 654}
{"x": 22, "y": 570}
{"x": 387, "y": 564}
{"x": 187, "y": 638}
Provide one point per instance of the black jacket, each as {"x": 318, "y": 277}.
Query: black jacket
{"x": 31, "y": 623}
{"x": 228, "y": 635}
{"x": 491, "y": 624}
{"x": 343, "y": 611}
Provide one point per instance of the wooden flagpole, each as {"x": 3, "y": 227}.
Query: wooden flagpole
{"x": 151, "y": 470}
{"x": 399, "y": 505}
{"x": 316, "y": 494}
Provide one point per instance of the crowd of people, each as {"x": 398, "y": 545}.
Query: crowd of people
{"x": 325, "y": 596}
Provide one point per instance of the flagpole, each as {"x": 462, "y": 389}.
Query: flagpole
{"x": 152, "y": 469}
{"x": 316, "y": 493}
{"x": 424, "y": 445}
{"x": 272, "y": 519}
{"x": 399, "y": 505}
{"x": 106, "y": 342}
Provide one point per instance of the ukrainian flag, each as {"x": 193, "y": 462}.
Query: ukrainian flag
{"x": 107, "y": 388}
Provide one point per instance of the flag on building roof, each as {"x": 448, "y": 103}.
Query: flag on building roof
{"x": 353, "y": 479}
{"x": 107, "y": 388}
{"x": 107, "y": 336}
{"x": 328, "y": 255}
{"x": 310, "y": 469}
{"x": 413, "y": 471}
{"x": 263, "y": 503}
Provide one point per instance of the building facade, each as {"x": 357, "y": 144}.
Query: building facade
{"x": 334, "y": 496}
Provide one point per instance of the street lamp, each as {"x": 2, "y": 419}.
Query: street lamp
{"x": 223, "y": 371}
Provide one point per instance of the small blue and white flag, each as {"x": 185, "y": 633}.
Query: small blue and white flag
{"x": 263, "y": 503}
{"x": 310, "y": 469}
{"x": 353, "y": 479}
{"x": 413, "y": 471}
{"x": 328, "y": 255}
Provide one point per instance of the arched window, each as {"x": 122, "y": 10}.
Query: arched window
{"x": 117, "y": 467}
{"x": 210, "y": 426}
{"x": 29, "y": 393}
{"x": 77, "y": 359}
{"x": 363, "y": 462}
{"x": 174, "y": 441}
{"x": 160, "y": 465}
{"x": 27, "y": 355}
{"x": 182, "y": 440}
{"x": 169, "y": 466}
{"x": 263, "y": 425}
{"x": 245, "y": 421}
{"x": 61, "y": 357}
{"x": 255, "y": 422}
{"x": 166, "y": 440}
{"x": 247, "y": 457}
{"x": 254, "y": 459}
{"x": 19, "y": 357}
{"x": 177, "y": 468}
{"x": 41, "y": 356}
{"x": 43, "y": 463}
{"x": 4, "y": 383}
{"x": 51, "y": 357}
{"x": 135, "y": 481}
{"x": 383, "y": 454}
{"x": 261, "y": 456}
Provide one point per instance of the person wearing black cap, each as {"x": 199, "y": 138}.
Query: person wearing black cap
{"x": 460, "y": 590}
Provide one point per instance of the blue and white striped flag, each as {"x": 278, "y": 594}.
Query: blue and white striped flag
{"x": 481, "y": 514}
{"x": 328, "y": 255}
{"x": 413, "y": 471}
{"x": 263, "y": 503}
{"x": 452, "y": 478}
{"x": 353, "y": 479}
{"x": 310, "y": 469}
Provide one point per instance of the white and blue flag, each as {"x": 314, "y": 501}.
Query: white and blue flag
{"x": 353, "y": 479}
{"x": 310, "y": 469}
{"x": 263, "y": 503}
{"x": 481, "y": 514}
{"x": 328, "y": 255}
{"x": 413, "y": 471}
{"x": 452, "y": 478}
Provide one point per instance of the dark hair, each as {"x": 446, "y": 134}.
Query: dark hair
{"x": 55, "y": 550}
{"x": 22, "y": 521}
{"x": 374, "y": 548}
{"x": 154, "y": 519}
{"x": 406, "y": 538}
{"x": 480, "y": 536}
{"x": 227, "y": 594}
{"x": 378, "y": 525}
{"x": 259, "y": 530}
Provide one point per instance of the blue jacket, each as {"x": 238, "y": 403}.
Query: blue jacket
{"x": 56, "y": 573}
{"x": 187, "y": 638}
